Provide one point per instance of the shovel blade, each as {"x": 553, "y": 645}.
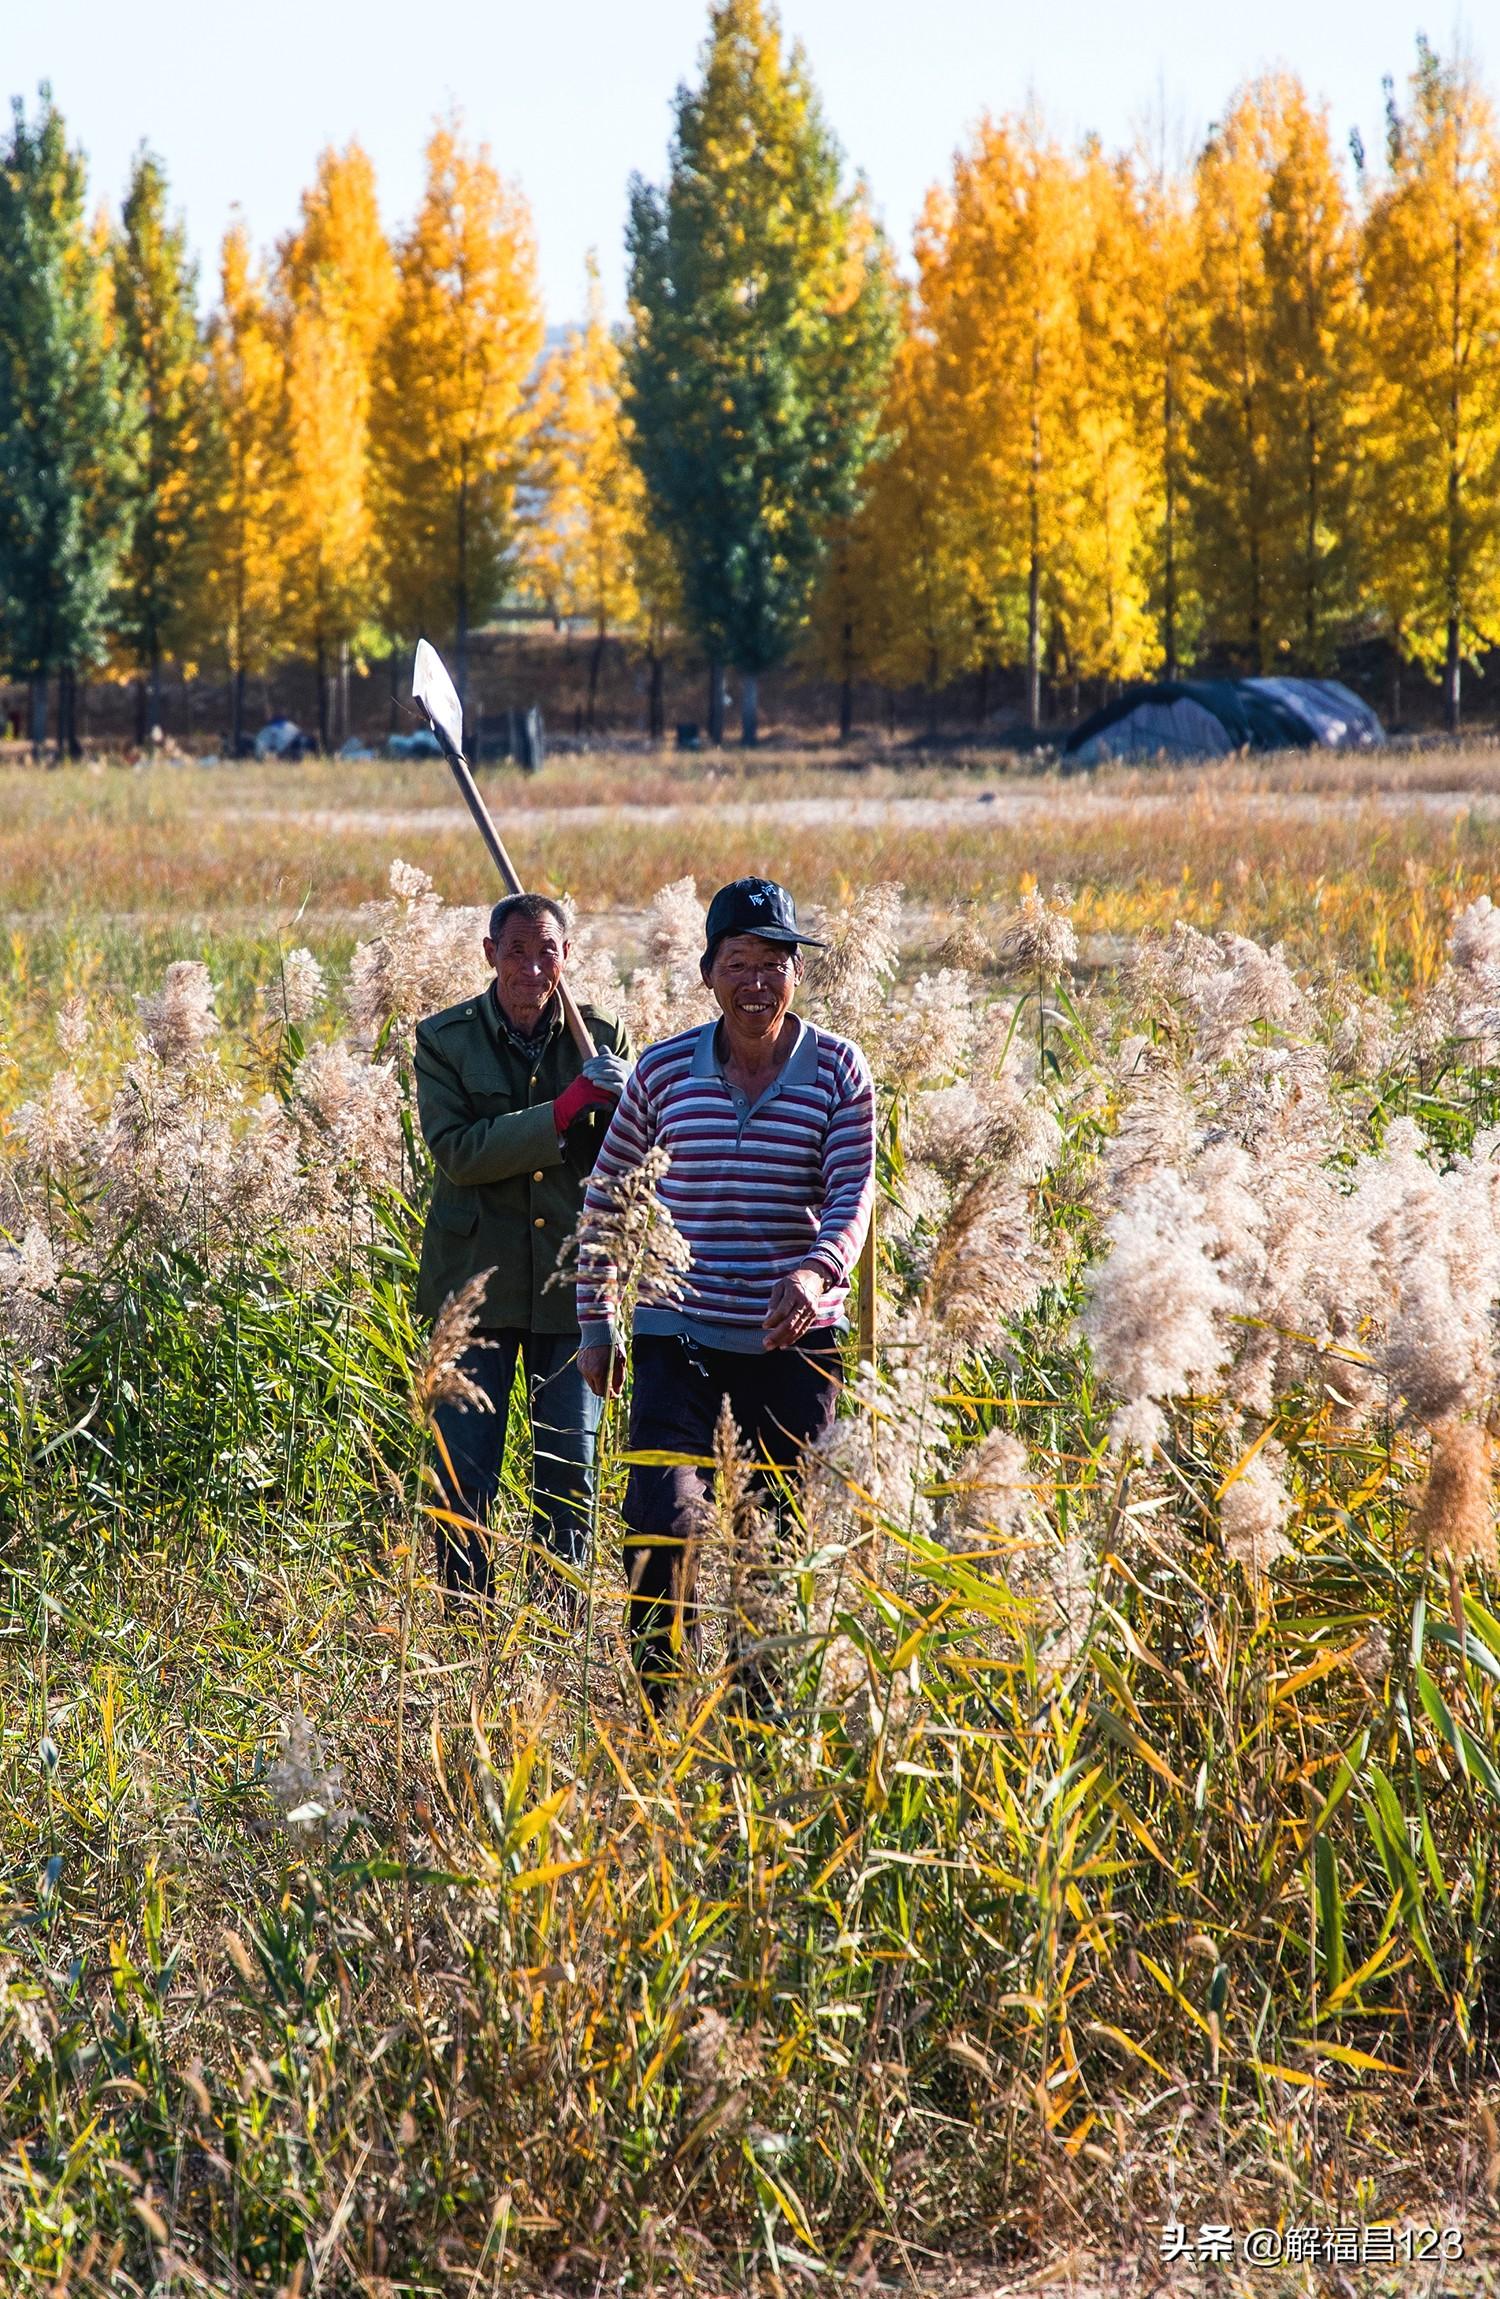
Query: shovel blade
{"x": 435, "y": 691}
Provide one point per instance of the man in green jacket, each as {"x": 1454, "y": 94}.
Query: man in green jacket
{"x": 513, "y": 1117}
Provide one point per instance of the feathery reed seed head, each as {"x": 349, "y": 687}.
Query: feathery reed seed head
{"x": 440, "y": 1377}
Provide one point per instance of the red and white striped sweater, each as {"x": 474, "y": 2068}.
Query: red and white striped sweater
{"x": 757, "y": 1190}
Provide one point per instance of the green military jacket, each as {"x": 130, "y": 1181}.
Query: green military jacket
{"x": 505, "y": 1193}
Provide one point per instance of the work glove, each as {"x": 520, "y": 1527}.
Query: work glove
{"x": 607, "y": 1070}
{"x": 583, "y": 1094}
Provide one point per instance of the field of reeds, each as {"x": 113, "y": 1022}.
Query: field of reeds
{"x": 1115, "y": 1853}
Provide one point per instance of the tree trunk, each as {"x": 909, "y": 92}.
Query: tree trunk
{"x": 38, "y": 713}
{"x": 237, "y": 710}
{"x": 67, "y": 713}
{"x": 750, "y": 710}
{"x": 1452, "y": 679}
{"x": 1034, "y": 572}
{"x": 1169, "y": 532}
{"x": 321, "y": 661}
{"x": 846, "y": 687}
{"x": 716, "y": 703}
{"x": 596, "y": 665}
{"x": 656, "y": 701}
{"x": 393, "y": 715}
{"x": 153, "y": 695}
{"x": 1453, "y": 665}
{"x": 341, "y": 699}
{"x": 1310, "y": 548}
{"x": 461, "y": 595}
{"x": 142, "y": 713}
{"x": 932, "y": 693}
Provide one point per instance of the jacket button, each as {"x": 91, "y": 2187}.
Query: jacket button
{"x": 537, "y": 1175}
{"x": 540, "y": 1222}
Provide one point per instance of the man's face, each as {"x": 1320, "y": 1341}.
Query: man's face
{"x": 528, "y": 960}
{"x": 754, "y": 981}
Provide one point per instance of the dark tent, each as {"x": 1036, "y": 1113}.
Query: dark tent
{"x": 1205, "y": 718}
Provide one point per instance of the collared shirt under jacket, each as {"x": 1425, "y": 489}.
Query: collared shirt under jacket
{"x": 506, "y": 1193}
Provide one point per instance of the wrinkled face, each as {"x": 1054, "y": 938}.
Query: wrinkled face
{"x": 755, "y": 982}
{"x": 528, "y": 960}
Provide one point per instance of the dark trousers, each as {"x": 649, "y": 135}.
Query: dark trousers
{"x": 564, "y": 1419}
{"x": 781, "y": 1400}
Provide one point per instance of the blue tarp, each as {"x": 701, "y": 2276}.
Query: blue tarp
{"x": 1204, "y": 718}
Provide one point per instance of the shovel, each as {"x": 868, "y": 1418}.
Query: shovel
{"x": 434, "y": 691}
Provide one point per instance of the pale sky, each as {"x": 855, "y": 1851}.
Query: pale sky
{"x": 571, "y": 97}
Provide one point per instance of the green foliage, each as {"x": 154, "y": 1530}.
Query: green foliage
{"x": 891, "y": 1961}
{"x": 155, "y": 299}
{"x": 67, "y": 415}
{"x": 764, "y": 325}
{"x": 1432, "y": 273}
{"x": 1069, "y": 1868}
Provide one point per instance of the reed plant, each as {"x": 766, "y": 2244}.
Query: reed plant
{"x": 1113, "y": 1845}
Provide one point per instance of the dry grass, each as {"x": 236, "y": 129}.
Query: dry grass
{"x": 1122, "y": 1847}
{"x": 1234, "y": 844}
{"x": 109, "y": 873}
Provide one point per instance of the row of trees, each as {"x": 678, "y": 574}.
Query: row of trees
{"x": 333, "y": 459}
{"x": 1245, "y": 412}
{"x": 1125, "y": 418}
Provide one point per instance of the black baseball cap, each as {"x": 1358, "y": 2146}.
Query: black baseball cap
{"x": 756, "y": 906}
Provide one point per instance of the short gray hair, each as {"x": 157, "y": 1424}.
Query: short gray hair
{"x": 536, "y": 907}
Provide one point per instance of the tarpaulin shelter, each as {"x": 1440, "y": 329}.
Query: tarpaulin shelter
{"x": 1205, "y": 718}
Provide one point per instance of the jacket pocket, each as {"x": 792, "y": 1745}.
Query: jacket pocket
{"x": 454, "y": 1215}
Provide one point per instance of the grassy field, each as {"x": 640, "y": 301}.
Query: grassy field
{"x": 111, "y": 872}
{"x": 260, "y": 848}
{"x": 1119, "y": 1850}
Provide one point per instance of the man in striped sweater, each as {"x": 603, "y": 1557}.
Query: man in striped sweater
{"x": 769, "y": 1125}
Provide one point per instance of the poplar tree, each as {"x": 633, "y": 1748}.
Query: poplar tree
{"x": 67, "y": 421}
{"x": 1162, "y": 352}
{"x": 334, "y": 290}
{"x": 658, "y": 611}
{"x": 1275, "y": 393}
{"x": 155, "y": 298}
{"x": 1432, "y": 271}
{"x": 1315, "y": 372}
{"x": 840, "y": 631}
{"x": 1107, "y": 620}
{"x": 764, "y": 321}
{"x": 238, "y": 603}
{"x": 1001, "y": 297}
{"x": 1230, "y": 410}
{"x": 897, "y": 600}
{"x": 581, "y": 544}
{"x": 450, "y": 407}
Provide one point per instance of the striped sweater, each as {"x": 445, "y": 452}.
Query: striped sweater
{"x": 757, "y": 1190}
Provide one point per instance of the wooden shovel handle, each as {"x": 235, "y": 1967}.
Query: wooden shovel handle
{"x": 582, "y": 1035}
